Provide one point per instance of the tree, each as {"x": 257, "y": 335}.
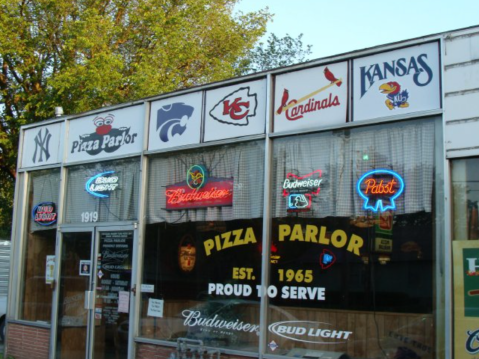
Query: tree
{"x": 277, "y": 52}
{"x": 85, "y": 54}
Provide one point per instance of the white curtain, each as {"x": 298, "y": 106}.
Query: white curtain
{"x": 244, "y": 163}
{"x": 122, "y": 204}
{"x": 344, "y": 156}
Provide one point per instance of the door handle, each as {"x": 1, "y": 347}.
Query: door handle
{"x": 133, "y": 290}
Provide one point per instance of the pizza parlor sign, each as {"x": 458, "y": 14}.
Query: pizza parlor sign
{"x": 199, "y": 190}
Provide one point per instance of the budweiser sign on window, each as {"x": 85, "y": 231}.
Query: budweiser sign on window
{"x": 199, "y": 190}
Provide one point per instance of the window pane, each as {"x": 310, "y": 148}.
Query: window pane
{"x": 36, "y": 295}
{"x": 353, "y": 273}
{"x": 202, "y": 258}
{"x": 103, "y": 192}
{"x": 465, "y": 187}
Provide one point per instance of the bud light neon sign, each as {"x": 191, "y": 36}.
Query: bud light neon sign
{"x": 102, "y": 184}
{"x": 44, "y": 213}
{"x": 379, "y": 189}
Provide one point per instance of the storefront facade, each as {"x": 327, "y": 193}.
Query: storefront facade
{"x": 322, "y": 210}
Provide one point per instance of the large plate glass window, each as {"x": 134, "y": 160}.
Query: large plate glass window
{"x": 103, "y": 192}
{"x": 39, "y": 257}
{"x": 465, "y": 254}
{"x": 202, "y": 259}
{"x": 352, "y": 245}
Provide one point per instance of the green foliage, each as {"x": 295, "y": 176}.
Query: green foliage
{"x": 85, "y": 54}
{"x": 277, "y": 52}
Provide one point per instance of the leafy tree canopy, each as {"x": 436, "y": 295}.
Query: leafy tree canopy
{"x": 85, "y": 54}
{"x": 276, "y": 52}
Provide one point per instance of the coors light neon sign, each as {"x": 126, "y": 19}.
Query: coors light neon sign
{"x": 199, "y": 190}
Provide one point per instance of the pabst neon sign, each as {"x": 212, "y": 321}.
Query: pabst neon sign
{"x": 379, "y": 189}
{"x": 44, "y": 213}
{"x": 102, "y": 184}
{"x": 299, "y": 190}
{"x": 199, "y": 190}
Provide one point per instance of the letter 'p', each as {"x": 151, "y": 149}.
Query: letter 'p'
{"x": 284, "y": 230}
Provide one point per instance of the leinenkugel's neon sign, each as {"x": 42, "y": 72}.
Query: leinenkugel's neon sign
{"x": 102, "y": 184}
{"x": 199, "y": 190}
{"x": 299, "y": 190}
{"x": 379, "y": 189}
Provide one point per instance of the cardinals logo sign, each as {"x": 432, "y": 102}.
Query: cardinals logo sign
{"x": 311, "y": 98}
{"x": 236, "y": 108}
{"x": 172, "y": 120}
{"x": 105, "y": 138}
{"x": 295, "y": 110}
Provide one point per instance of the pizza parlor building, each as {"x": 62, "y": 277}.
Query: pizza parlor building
{"x": 323, "y": 210}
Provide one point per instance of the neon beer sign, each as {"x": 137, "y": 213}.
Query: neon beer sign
{"x": 44, "y": 213}
{"x": 199, "y": 190}
{"x": 102, "y": 184}
{"x": 379, "y": 189}
{"x": 299, "y": 190}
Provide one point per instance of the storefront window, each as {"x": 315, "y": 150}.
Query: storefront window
{"x": 37, "y": 282}
{"x": 103, "y": 192}
{"x": 465, "y": 187}
{"x": 202, "y": 259}
{"x": 465, "y": 254}
{"x": 352, "y": 246}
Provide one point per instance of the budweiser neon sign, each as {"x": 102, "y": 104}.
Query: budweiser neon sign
{"x": 379, "y": 189}
{"x": 299, "y": 190}
{"x": 199, "y": 191}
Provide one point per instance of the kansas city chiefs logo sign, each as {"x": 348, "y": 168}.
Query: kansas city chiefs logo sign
{"x": 236, "y": 108}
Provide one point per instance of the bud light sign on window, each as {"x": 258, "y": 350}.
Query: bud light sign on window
{"x": 44, "y": 213}
{"x": 102, "y": 184}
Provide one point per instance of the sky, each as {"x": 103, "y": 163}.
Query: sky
{"x": 337, "y": 26}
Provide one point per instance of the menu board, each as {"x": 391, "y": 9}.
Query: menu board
{"x": 114, "y": 275}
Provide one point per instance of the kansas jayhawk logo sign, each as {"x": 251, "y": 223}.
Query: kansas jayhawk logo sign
{"x": 395, "y": 97}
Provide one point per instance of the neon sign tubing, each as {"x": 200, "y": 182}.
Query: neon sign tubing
{"x": 89, "y": 182}
{"x": 379, "y": 203}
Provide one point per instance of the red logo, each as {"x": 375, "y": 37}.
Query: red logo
{"x": 236, "y": 108}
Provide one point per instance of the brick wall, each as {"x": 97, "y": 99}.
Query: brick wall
{"x": 25, "y": 342}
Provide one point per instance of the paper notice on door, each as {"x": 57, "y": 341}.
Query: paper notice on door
{"x": 155, "y": 307}
{"x": 123, "y": 302}
{"x": 49, "y": 269}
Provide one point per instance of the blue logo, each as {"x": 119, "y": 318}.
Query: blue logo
{"x": 417, "y": 67}
{"x": 172, "y": 120}
{"x": 102, "y": 184}
{"x": 299, "y": 201}
{"x": 472, "y": 342}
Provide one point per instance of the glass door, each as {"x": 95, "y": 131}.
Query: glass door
{"x": 74, "y": 284}
{"x": 94, "y": 294}
{"x": 113, "y": 273}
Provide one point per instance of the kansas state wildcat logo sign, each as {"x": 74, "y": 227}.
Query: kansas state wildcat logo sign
{"x": 172, "y": 120}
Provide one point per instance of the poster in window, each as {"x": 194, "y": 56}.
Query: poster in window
{"x": 466, "y": 298}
